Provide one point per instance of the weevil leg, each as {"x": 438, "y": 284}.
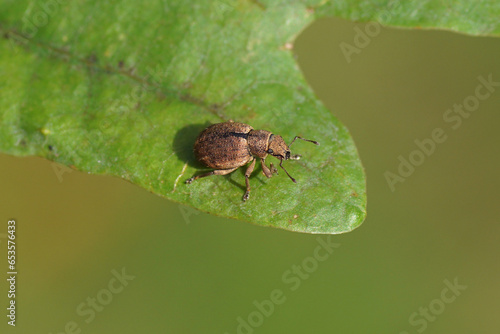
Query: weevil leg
{"x": 214, "y": 172}
{"x": 267, "y": 172}
{"x": 273, "y": 169}
{"x": 247, "y": 181}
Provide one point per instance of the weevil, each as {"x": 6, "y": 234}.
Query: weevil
{"x": 227, "y": 146}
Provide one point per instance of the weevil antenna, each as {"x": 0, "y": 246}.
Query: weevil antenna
{"x": 281, "y": 165}
{"x": 311, "y": 141}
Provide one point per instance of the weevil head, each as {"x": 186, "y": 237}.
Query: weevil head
{"x": 278, "y": 148}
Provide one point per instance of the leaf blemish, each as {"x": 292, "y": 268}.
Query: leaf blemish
{"x": 180, "y": 175}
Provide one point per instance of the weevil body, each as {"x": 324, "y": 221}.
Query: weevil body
{"x": 228, "y": 146}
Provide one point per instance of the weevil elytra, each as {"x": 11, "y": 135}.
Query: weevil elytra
{"x": 228, "y": 146}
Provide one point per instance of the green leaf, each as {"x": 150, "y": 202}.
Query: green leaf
{"x": 124, "y": 88}
{"x": 480, "y": 17}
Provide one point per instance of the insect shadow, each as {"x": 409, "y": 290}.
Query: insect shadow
{"x": 184, "y": 141}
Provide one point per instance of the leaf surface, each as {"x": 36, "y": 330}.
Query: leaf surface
{"x": 480, "y": 17}
{"x": 124, "y": 88}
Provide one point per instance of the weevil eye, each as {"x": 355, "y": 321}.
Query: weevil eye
{"x": 287, "y": 155}
{"x": 270, "y": 151}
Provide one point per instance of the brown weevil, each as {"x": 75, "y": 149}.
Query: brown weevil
{"x": 228, "y": 146}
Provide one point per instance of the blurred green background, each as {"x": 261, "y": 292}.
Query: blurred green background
{"x": 195, "y": 273}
